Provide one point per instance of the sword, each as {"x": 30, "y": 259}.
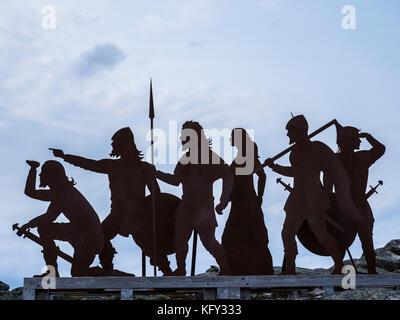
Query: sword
{"x": 28, "y": 234}
{"x": 329, "y": 219}
{"x": 373, "y": 189}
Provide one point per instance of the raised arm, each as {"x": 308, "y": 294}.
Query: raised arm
{"x": 377, "y": 150}
{"x": 99, "y": 166}
{"x": 30, "y": 185}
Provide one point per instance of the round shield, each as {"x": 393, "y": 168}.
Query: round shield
{"x": 165, "y": 207}
{"x": 339, "y": 227}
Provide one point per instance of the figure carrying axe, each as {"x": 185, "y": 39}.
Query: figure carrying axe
{"x": 83, "y": 231}
{"x": 308, "y": 201}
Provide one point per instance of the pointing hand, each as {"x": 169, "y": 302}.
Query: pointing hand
{"x": 58, "y": 153}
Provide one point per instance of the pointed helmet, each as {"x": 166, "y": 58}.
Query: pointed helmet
{"x": 298, "y": 122}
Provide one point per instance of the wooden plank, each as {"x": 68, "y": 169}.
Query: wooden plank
{"x": 390, "y": 280}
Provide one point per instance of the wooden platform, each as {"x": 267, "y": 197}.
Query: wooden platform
{"x": 211, "y": 287}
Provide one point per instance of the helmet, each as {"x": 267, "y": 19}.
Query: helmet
{"x": 346, "y": 133}
{"x": 298, "y": 122}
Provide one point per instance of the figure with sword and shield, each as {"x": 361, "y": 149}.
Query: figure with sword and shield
{"x": 357, "y": 164}
{"x": 197, "y": 171}
{"x": 308, "y": 200}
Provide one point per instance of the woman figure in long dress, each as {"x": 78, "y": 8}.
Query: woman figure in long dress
{"x": 245, "y": 237}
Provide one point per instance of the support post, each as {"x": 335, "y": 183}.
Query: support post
{"x": 127, "y": 294}
{"x": 29, "y": 294}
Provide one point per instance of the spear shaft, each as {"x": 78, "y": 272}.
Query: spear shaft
{"x": 153, "y": 187}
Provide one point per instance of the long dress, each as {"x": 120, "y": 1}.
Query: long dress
{"x": 245, "y": 238}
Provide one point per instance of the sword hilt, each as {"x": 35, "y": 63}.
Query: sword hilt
{"x": 373, "y": 189}
{"x": 288, "y": 187}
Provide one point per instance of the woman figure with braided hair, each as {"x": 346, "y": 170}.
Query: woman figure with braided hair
{"x": 245, "y": 237}
{"x": 197, "y": 171}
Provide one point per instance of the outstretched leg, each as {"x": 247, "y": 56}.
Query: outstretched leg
{"x": 365, "y": 234}
{"x": 162, "y": 264}
{"x": 82, "y": 258}
{"x": 291, "y": 225}
{"x": 182, "y": 235}
{"x": 47, "y": 235}
{"x": 207, "y": 237}
{"x": 110, "y": 231}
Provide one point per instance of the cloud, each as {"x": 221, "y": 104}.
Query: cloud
{"x": 100, "y": 58}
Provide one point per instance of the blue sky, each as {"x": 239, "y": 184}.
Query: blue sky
{"x": 223, "y": 63}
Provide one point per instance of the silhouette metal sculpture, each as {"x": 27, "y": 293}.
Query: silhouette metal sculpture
{"x": 153, "y": 184}
{"x": 308, "y": 200}
{"x": 93, "y": 271}
{"x": 245, "y": 237}
{"x": 357, "y": 164}
{"x": 197, "y": 170}
{"x": 131, "y": 211}
{"x": 326, "y": 223}
{"x": 83, "y": 231}
{"x": 338, "y": 226}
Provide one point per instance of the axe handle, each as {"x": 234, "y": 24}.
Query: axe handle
{"x": 36, "y": 239}
{"x": 316, "y": 132}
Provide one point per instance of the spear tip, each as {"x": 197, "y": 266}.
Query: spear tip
{"x": 151, "y": 106}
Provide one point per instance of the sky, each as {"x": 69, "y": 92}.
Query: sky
{"x": 224, "y": 63}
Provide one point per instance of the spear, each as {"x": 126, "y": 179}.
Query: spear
{"x": 153, "y": 187}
